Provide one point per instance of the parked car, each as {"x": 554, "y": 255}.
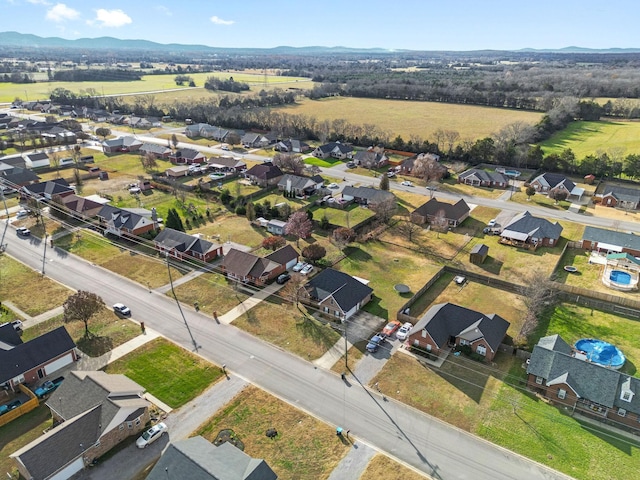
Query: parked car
{"x": 135, "y": 190}
{"x": 23, "y": 231}
{"x": 391, "y": 327}
{"x": 151, "y": 435}
{"x": 283, "y": 278}
{"x": 298, "y": 266}
{"x": 404, "y": 331}
{"x": 332, "y": 185}
{"x": 48, "y": 387}
{"x": 492, "y": 222}
{"x": 121, "y": 309}
{"x": 391, "y": 174}
{"x": 307, "y": 269}
{"x": 23, "y": 213}
{"x": 351, "y": 165}
{"x": 375, "y": 342}
{"x": 407, "y": 183}
{"x": 224, "y": 146}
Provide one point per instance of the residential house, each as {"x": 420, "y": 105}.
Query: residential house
{"x": 434, "y": 211}
{"x": 333, "y": 149}
{"x": 226, "y": 164}
{"x": 367, "y": 196}
{"x": 205, "y": 130}
{"x": 15, "y": 177}
{"x": 193, "y": 131}
{"x": 287, "y": 256}
{"x": 257, "y": 140}
{"x": 47, "y": 190}
{"x": 198, "y": 459}
{"x": 81, "y": 207}
{"x": 621, "y": 197}
{"x": 277, "y": 227}
{"x": 188, "y": 156}
{"x": 121, "y": 145}
{"x": 300, "y": 186}
{"x": 137, "y": 122}
{"x": 160, "y": 151}
{"x": 59, "y": 135}
{"x": 93, "y": 411}
{"x": 478, "y": 253}
{"x": 124, "y": 222}
{"x": 371, "y": 158}
{"x": 482, "y": 178}
{"x": 292, "y": 146}
{"x": 566, "y": 378}
{"x": 556, "y": 181}
{"x": 30, "y": 361}
{"x": 16, "y": 161}
{"x": 608, "y": 241}
{"x": 248, "y": 268}
{"x": 526, "y": 230}
{"x": 336, "y": 294}
{"x": 447, "y": 325}
{"x": 265, "y": 174}
{"x": 182, "y": 246}
{"x": 37, "y": 160}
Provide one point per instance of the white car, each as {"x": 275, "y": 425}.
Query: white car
{"x": 298, "y": 266}
{"x": 332, "y": 185}
{"x": 407, "y": 183}
{"x": 151, "y": 435}
{"x": 492, "y": 223}
{"x": 307, "y": 269}
{"x": 22, "y": 214}
{"x": 404, "y": 330}
{"x": 121, "y": 309}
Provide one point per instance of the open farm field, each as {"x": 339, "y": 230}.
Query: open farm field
{"x": 408, "y": 118}
{"x": 586, "y": 138}
{"x": 148, "y": 83}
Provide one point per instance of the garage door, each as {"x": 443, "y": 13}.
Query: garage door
{"x": 290, "y": 264}
{"x": 58, "y": 364}
{"x": 69, "y": 470}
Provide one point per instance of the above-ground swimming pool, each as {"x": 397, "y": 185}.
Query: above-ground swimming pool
{"x": 620, "y": 277}
{"x": 601, "y": 352}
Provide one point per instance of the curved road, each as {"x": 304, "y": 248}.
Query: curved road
{"x": 431, "y": 446}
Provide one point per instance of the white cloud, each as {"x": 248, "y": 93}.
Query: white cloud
{"x": 60, "y": 13}
{"x": 111, "y": 18}
{"x": 163, "y": 10}
{"x": 39, "y": 2}
{"x": 220, "y": 21}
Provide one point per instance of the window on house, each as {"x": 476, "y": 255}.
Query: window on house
{"x": 481, "y": 350}
{"x": 416, "y": 343}
{"x": 562, "y": 394}
{"x": 137, "y": 421}
{"x": 622, "y": 412}
{"x": 121, "y": 427}
{"x": 424, "y": 333}
{"x": 428, "y": 347}
{"x": 626, "y": 396}
{"x": 130, "y": 424}
{"x": 539, "y": 380}
{"x": 463, "y": 342}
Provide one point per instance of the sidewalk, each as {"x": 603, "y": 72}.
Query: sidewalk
{"x": 249, "y": 303}
{"x": 28, "y": 320}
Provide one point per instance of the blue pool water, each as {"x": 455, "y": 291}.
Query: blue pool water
{"x": 601, "y": 352}
{"x": 512, "y": 173}
{"x": 621, "y": 277}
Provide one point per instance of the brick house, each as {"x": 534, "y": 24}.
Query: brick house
{"x": 31, "y": 361}
{"x": 265, "y": 174}
{"x": 121, "y": 145}
{"x": 123, "y": 222}
{"x": 609, "y": 241}
{"x": 526, "y": 230}
{"x": 565, "y": 377}
{"x": 248, "y": 268}
{"x": 188, "y": 156}
{"x": 334, "y": 150}
{"x": 46, "y": 190}
{"x": 481, "y": 178}
{"x": 622, "y": 197}
{"x": 336, "y": 294}
{"x": 454, "y": 213}
{"x": 447, "y": 325}
{"x": 367, "y": 195}
{"x": 182, "y": 246}
{"x": 92, "y": 412}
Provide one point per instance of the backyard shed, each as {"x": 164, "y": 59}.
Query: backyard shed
{"x": 479, "y": 253}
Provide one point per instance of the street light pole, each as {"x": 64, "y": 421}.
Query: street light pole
{"x": 346, "y": 346}
{"x": 44, "y": 255}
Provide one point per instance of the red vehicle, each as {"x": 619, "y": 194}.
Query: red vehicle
{"x": 391, "y": 327}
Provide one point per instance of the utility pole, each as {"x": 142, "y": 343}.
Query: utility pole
{"x": 44, "y": 255}
{"x": 173, "y": 292}
{"x": 346, "y": 345}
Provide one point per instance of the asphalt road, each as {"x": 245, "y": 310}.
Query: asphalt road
{"x": 411, "y": 436}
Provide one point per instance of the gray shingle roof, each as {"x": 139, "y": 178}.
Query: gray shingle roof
{"x": 453, "y": 211}
{"x": 553, "y": 180}
{"x": 534, "y": 226}
{"x": 484, "y": 176}
{"x": 297, "y": 182}
{"x": 245, "y": 264}
{"x": 122, "y": 218}
{"x": 50, "y": 187}
{"x": 183, "y": 242}
{"x": 155, "y": 148}
{"x": 622, "y": 193}
{"x": 346, "y": 290}
{"x": 283, "y": 255}
{"x": 26, "y": 356}
{"x": 621, "y": 239}
{"x": 368, "y": 193}
{"x": 445, "y": 320}
{"x": 197, "y": 459}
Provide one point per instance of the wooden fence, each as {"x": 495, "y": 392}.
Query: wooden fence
{"x": 22, "y": 409}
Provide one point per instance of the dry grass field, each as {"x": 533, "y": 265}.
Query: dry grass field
{"x": 408, "y": 118}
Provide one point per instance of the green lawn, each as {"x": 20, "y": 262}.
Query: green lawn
{"x": 586, "y": 138}
{"x": 211, "y": 291}
{"x": 167, "y": 371}
{"x": 322, "y": 162}
{"x": 348, "y": 217}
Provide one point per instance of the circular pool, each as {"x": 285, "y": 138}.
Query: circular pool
{"x": 601, "y": 352}
{"x": 618, "y": 276}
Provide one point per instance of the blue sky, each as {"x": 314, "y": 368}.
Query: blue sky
{"x": 400, "y": 24}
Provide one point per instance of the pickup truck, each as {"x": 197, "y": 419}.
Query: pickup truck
{"x": 48, "y": 387}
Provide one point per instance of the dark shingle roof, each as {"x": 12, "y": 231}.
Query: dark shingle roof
{"x": 368, "y": 193}
{"x": 453, "y": 211}
{"x": 445, "y": 320}
{"x": 197, "y": 459}
{"x": 155, "y": 148}
{"x": 346, "y": 290}
{"x": 622, "y": 193}
{"x": 534, "y": 226}
{"x": 245, "y": 264}
{"x": 26, "y": 356}
{"x": 297, "y": 182}
{"x": 553, "y": 180}
{"x": 50, "y": 187}
{"x": 621, "y": 239}
{"x": 283, "y": 255}
{"x": 480, "y": 249}
{"x": 485, "y": 176}
{"x": 265, "y": 171}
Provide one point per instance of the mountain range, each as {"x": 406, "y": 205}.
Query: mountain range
{"x": 25, "y": 40}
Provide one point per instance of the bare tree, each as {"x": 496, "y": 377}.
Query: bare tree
{"x": 289, "y": 162}
{"x": 451, "y": 137}
{"x": 384, "y": 182}
{"x": 54, "y": 160}
{"x": 174, "y": 140}
{"x": 408, "y": 229}
{"x": 426, "y": 166}
{"x": 149, "y": 161}
{"x": 538, "y": 293}
{"x": 232, "y": 139}
{"x": 440, "y": 223}
{"x": 385, "y": 210}
{"x": 291, "y": 290}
